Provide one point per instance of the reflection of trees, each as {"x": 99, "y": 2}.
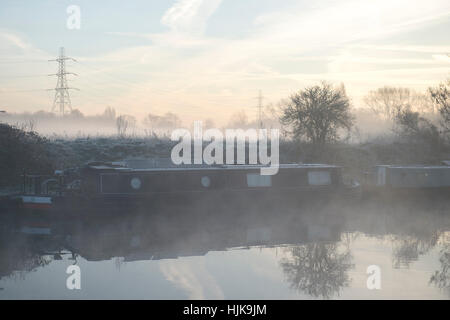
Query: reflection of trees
{"x": 318, "y": 269}
{"x": 441, "y": 277}
{"x": 19, "y": 265}
{"x": 32, "y": 263}
{"x": 408, "y": 249}
{"x": 20, "y": 254}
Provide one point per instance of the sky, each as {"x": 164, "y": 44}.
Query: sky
{"x": 209, "y": 58}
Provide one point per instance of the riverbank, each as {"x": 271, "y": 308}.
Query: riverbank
{"x": 27, "y": 152}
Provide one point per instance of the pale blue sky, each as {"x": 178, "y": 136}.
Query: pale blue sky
{"x": 209, "y": 58}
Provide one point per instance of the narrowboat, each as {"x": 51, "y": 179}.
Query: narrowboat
{"x": 408, "y": 181}
{"x": 120, "y": 187}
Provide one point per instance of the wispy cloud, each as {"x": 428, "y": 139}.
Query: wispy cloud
{"x": 14, "y": 45}
{"x": 189, "y": 69}
{"x": 442, "y": 57}
{"x": 408, "y": 48}
{"x": 14, "y": 40}
{"x": 192, "y": 277}
{"x": 189, "y": 16}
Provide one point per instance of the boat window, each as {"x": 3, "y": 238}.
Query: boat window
{"x": 319, "y": 178}
{"x": 381, "y": 176}
{"x": 257, "y": 180}
{"x": 206, "y": 181}
{"x": 135, "y": 183}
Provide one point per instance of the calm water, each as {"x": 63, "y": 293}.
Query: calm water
{"x": 291, "y": 254}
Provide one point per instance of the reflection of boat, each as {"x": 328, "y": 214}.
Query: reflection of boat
{"x": 168, "y": 235}
{"x": 120, "y": 188}
{"x": 313, "y": 249}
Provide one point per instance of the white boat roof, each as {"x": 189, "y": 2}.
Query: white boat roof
{"x": 212, "y": 167}
{"x": 415, "y": 167}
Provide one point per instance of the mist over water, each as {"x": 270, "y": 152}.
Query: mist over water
{"x": 314, "y": 252}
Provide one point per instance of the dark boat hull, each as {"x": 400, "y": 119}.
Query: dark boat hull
{"x": 216, "y": 201}
{"x": 390, "y": 194}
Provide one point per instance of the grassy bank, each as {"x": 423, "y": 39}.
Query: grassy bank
{"x": 22, "y": 151}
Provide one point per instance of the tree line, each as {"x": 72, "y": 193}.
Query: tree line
{"x": 318, "y": 114}
{"x": 322, "y": 113}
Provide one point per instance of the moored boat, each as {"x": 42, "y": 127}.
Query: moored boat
{"x": 112, "y": 187}
{"x": 394, "y": 181}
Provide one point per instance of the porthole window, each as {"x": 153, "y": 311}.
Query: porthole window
{"x": 135, "y": 183}
{"x": 206, "y": 181}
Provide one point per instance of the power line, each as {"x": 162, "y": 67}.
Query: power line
{"x": 111, "y": 77}
{"x": 24, "y": 76}
{"x": 21, "y": 61}
{"x": 93, "y": 90}
{"x": 30, "y": 90}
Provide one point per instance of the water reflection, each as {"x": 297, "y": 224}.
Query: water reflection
{"x": 441, "y": 277}
{"x": 318, "y": 269}
{"x": 414, "y": 229}
{"x": 407, "y": 249}
{"x": 316, "y": 257}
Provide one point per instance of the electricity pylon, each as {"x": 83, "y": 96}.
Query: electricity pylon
{"x": 260, "y": 106}
{"x": 62, "y": 97}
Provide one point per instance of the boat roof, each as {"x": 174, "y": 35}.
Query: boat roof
{"x": 206, "y": 167}
{"x": 415, "y": 167}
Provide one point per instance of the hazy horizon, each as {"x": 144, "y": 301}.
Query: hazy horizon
{"x": 209, "y": 59}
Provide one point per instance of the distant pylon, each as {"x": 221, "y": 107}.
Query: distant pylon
{"x": 260, "y": 106}
{"x": 62, "y": 97}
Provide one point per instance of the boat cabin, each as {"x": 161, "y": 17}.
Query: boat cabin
{"x": 115, "y": 180}
{"x": 411, "y": 177}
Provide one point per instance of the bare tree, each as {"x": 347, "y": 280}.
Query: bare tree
{"x": 317, "y": 113}
{"x": 441, "y": 97}
{"x": 76, "y": 114}
{"x": 167, "y": 121}
{"x": 209, "y": 123}
{"x": 123, "y": 123}
{"x": 28, "y": 125}
{"x": 109, "y": 113}
{"x": 412, "y": 126}
{"x": 388, "y": 102}
{"x": 238, "y": 120}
